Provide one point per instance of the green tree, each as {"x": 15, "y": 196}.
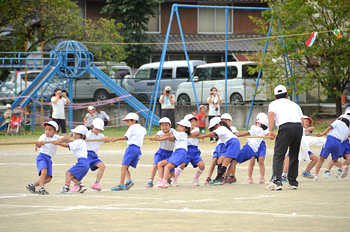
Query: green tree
{"x": 134, "y": 15}
{"x": 326, "y": 62}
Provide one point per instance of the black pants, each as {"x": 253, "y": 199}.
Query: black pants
{"x": 169, "y": 113}
{"x": 289, "y": 136}
{"x": 210, "y": 117}
{"x": 61, "y": 124}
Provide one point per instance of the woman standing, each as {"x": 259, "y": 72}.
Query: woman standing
{"x": 214, "y": 102}
{"x": 167, "y": 103}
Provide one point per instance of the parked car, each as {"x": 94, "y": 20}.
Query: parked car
{"x": 240, "y": 84}
{"x": 174, "y": 73}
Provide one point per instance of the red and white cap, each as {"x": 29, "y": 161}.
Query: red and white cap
{"x": 52, "y": 123}
{"x": 263, "y": 121}
{"x": 190, "y": 116}
{"x": 91, "y": 108}
{"x": 310, "y": 119}
{"x": 131, "y": 116}
{"x": 164, "y": 120}
{"x": 214, "y": 121}
{"x": 80, "y": 130}
{"x": 260, "y": 116}
{"x": 98, "y": 123}
{"x": 185, "y": 123}
{"x": 226, "y": 116}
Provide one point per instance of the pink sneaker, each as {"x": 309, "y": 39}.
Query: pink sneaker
{"x": 195, "y": 181}
{"x": 96, "y": 187}
{"x": 75, "y": 188}
{"x": 250, "y": 180}
{"x": 262, "y": 180}
{"x": 344, "y": 170}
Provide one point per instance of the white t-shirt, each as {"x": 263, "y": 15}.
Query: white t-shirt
{"x": 78, "y": 147}
{"x": 224, "y": 134}
{"x": 181, "y": 140}
{"x": 340, "y": 130}
{"x": 102, "y": 115}
{"x": 234, "y": 129}
{"x": 212, "y": 111}
{"x": 93, "y": 146}
{"x": 285, "y": 111}
{"x": 193, "y": 141}
{"x": 49, "y": 149}
{"x": 135, "y": 135}
{"x": 166, "y": 144}
{"x": 58, "y": 108}
{"x": 254, "y": 143}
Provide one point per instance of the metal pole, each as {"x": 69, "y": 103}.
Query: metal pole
{"x": 226, "y": 22}
{"x": 70, "y": 111}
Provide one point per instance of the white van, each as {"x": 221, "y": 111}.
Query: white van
{"x": 240, "y": 84}
{"x": 174, "y": 73}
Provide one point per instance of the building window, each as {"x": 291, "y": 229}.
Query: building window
{"x": 82, "y": 7}
{"x": 154, "y": 23}
{"x": 212, "y": 21}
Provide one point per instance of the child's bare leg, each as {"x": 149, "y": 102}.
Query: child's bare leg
{"x": 171, "y": 174}
{"x": 251, "y": 167}
{"x": 319, "y": 164}
{"x": 221, "y": 159}
{"x": 69, "y": 178}
{"x": 42, "y": 177}
{"x": 262, "y": 166}
{"x": 232, "y": 169}
{"x": 101, "y": 169}
{"x": 75, "y": 180}
{"x": 161, "y": 165}
{"x": 347, "y": 159}
{"x": 167, "y": 170}
{"x": 313, "y": 162}
{"x": 128, "y": 175}
{"x": 212, "y": 166}
{"x": 153, "y": 171}
{"x": 286, "y": 164}
{"x": 124, "y": 172}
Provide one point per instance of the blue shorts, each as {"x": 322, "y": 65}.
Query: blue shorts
{"x": 93, "y": 160}
{"x": 80, "y": 169}
{"x": 193, "y": 156}
{"x": 345, "y": 148}
{"x": 261, "y": 151}
{"x": 232, "y": 148}
{"x": 332, "y": 146}
{"x": 44, "y": 161}
{"x": 246, "y": 153}
{"x": 161, "y": 155}
{"x": 178, "y": 157}
{"x": 132, "y": 156}
{"x": 219, "y": 151}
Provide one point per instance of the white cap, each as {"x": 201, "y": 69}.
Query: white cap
{"x": 226, "y": 116}
{"x": 80, "y": 130}
{"x": 131, "y": 116}
{"x": 90, "y": 108}
{"x": 8, "y": 105}
{"x": 214, "y": 121}
{"x": 260, "y": 116}
{"x": 347, "y": 111}
{"x": 310, "y": 119}
{"x": 263, "y": 121}
{"x": 280, "y": 89}
{"x": 190, "y": 116}
{"x": 98, "y": 123}
{"x": 167, "y": 88}
{"x": 184, "y": 122}
{"x": 202, "y": 106}
{"x": 345, "y": 116}
{"x": 52, "y": 123}
{"x": 164, "y": 120}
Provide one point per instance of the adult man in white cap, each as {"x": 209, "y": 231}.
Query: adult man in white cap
{"x": 167, "y": 104}
{"x": 288, "y": 117}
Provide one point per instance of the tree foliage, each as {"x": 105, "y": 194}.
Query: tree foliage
{"x": 326, "y": 62}
{"x": 134, "y": 15}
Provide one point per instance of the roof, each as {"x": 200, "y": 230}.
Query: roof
{"x": 240, "y": 43}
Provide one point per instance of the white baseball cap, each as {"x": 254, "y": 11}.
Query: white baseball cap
{"x": 8, "y": 105}
{"x": 226, "y": 116}
{"x": 263, "y": 121}
{"x": 80, "y": 130}
{"x": 214, "y": 121}
{"x": 310, "y": 119}
{"x": 52, "y": 123}
{"x": 202, "y": 106}
{"x": 164, "y": 120}
{"x": 167, "y": 88}
{"x": 345, "y": 116}
{"x": 280, "y": 89}
{"x": 131, "y": 116}
{"x": 184, "y": 122}
{"x": 90, "y": 108}
{"x": 260, "y": 116}
{"x": 98, "y": 123}
{"x": 347, "y": 111}
{"x": 190, "y": 116}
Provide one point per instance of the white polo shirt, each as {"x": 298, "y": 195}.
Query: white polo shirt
{"x": 166, "y": 144}
{"x": 49, "y": 149}
{"x": 224, "y": 134}
{"x": 193, "y": 141}
{"x": 254, "y": 143}
{"x": 285, "y": 111}
{"x": 78, "y": 147}
{"x": 135, "y": 135}
{"x": 93, "y": 146}
{"x": 340, "y": 130}
{"x": 58, "y": 108}
{"x": 181, "y": 140}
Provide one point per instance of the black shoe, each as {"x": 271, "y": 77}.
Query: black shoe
{"x": 31, "y": 188}
{"x": 43, "y": 192}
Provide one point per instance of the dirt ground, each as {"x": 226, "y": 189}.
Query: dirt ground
{"x": 315, "y": 206}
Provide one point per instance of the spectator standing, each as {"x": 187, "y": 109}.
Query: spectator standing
{"x": 214, "y": 102}
{"x": 58, "y": 101}
{"x": 102, "y": 115}
{"x": 167, "y": 103}
{"x": 7, "y": 115}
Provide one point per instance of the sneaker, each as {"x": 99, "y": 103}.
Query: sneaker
{"x": 195, "y": 181}
{"x": 158, "y": 184}
{"x": 64, "y": 190}
{"x": 150, "y": 184}
{"x": 315, "y": 177}
{"x": 82, "y": 189}
{"x": 31, "y": 188}
{"x": 203, "y": 141}
{"x": 75, "y": 188}
{"x": 218, "y": 181}
{"x": 345, "y": 170}
{"x": 119, "y": 187}
{"x": 43, "y": 192}
{"x": 163, "y": 185}
{"x": 273, "y": 187}
{"x": 284, "y": 179}
{"x": 338, "y": 173}
{"x": 174, "y": 183}
{"x": 262, "y": 180}
{"x": 96, "y": 187}
{"x": 212, "y": 141}
{"x": 250, "y": 180}
{"x": 328, "y": 175}
{"x": 207, "y": 180}
{"x": 169, "y": 182}
{"x": 291, "y": 187}
{"x": 224, "y": 180}
{"x": 307, "y": 175}
{"x": 231, "y": 179}
{"x": 129, "y": 184}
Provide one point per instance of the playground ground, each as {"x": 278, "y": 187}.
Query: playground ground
{"x": 315, "y": 206}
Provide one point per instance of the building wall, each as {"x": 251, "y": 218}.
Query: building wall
{"x": 93, "y": 9}
{"x": 242, "y": 23}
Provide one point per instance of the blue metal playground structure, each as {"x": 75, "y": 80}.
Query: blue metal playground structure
{"x": 69, "y": 60}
